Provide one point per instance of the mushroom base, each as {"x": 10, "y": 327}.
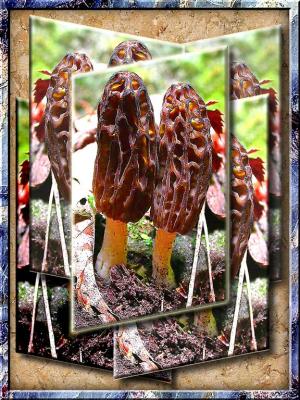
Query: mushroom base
{"x": 162, "y": 271}
{"x": 114, "y": 248}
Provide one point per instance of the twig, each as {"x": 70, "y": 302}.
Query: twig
{"x": 60, "y": 227}
{"x": 237, "y": 305}
{"x": 35, "y": 300}
{"x": 47, "y": 229}
{"x": 204, "y": 352}
{"x": 48, "y": 317}
{"x": 211, "y": 284}
{"x": 250, "y": 307}
{"x": 195, "y": 261}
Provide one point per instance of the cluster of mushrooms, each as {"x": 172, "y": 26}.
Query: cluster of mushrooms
{"x": 139, "y": 165}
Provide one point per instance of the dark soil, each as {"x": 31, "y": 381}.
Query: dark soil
{"x": 94, "y": 349}
{"x": 129, "y": 297}
{"x": 172, "y": 346}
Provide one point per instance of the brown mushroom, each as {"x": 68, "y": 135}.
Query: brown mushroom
{"x": 125, "y": 164}
{"x": 242, "y": 208}
{"x": 185, "y": 168}
{"x": 128, "y": 52}
{"x": 57, "y": 118}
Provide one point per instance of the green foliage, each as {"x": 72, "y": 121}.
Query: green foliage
{"x": 250, "y": 124}
{"x": 67, "y": 37}
{"x": 260, "y": 49}
{"x": 141, "y": 231}
{"x": 23, "y": 130}
{"x": 205, "y": 72}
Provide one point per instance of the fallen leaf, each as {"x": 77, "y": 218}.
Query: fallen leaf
{"x": 216, "y": 199}
{"x": 40, "y": 169}
{"x": 258, "y": 248}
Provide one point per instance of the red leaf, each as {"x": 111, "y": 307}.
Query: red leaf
{"x": 258, "y": 208}
{"x": 45, "y": 72}
{"x": 24, "y": 173}
{"x": 258, "y": 168}
{"x": 273, "y": 102}
{"x": 210, "y": 103}
{"x": 85, "y": 138}
{"x": 252, "y": 151}
{"x": 216, "y": 161}
{"x": 40, "y": 130}
{"x": 216, "y": 120}
{"x": 40, "y": 169}
{"x": 216, "y": 199}
{"x": 258, "y": 248}
{"x": 40, "y": 89}
{"x": 265, "y": 81}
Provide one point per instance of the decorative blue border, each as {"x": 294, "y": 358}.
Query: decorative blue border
{"x": 6, "y": 5}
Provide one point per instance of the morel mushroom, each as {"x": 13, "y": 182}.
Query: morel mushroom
{"x": 185, "y": 168}
{"x": 57, "y": 118}
{"x": 125, "y": 165}
{"x": 241, "y": 204}
{"x": 243, "y": 82}
{"x": 128, "y": 52}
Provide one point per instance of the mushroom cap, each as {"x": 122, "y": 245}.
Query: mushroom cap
{"x": 57, "y": 118}
{"x": 125, "y": 165}
{"x": 242, "y": 208}
{"x": 243, "y": 82}
{"x": 128, "y": 52}
{"x": 185, "y": 160}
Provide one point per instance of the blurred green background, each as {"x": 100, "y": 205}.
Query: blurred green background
{"x": 260, "y": 49}
{"x": 22, "y": 130}
{"x": 250, "y": 124}
{"x": 205, "y": 71}
{"x": 51, "y": 40}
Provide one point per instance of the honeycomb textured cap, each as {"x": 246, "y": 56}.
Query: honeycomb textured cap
{"x": 185, "y": 160}
{"x": 243, "y": 82}
{"x": 57, "y": 118}
{"x": 126, "y": 161}
{"x": 242, "y": 207}
{"x": 128, "y": 52}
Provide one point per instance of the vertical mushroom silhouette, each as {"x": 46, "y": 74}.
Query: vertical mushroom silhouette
{"x": 242, "y": 215}
{"x": 57, "y": 118}
{"x": 125, "y": 165}
{"x": 185, "y": 168}
{"x": 242, "y": 207}
{"x": 128, "y": 52}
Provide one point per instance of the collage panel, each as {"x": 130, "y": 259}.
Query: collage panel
{"x": 72, "y": 48}
{"x": 255, "y": 70}
{"x": 139, "y": 193}
{"x": 42, "y": 311}
{"x": 242, "y": 326}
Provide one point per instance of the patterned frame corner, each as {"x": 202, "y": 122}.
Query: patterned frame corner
{"x": 292, "y": 6}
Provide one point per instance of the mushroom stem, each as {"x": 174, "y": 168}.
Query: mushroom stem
{"x": 161, "y": 260}
{"x": 114, "y": 248}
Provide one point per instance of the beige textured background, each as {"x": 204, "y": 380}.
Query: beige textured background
{"x": 268, "y": 370}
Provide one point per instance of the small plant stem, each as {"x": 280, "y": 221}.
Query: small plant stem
{"x": 250, "y": 308}
{"x": 60, "y": 227}
{"x": 48, "y": 317}
{"x": 237, "y": 305}
{"x": 211, "y": 284}
{"x": 114, "y": 248}
{"x": 35, "y": 300}
{"x": 196, "y": 259}
{"x": 162, "y": 271}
